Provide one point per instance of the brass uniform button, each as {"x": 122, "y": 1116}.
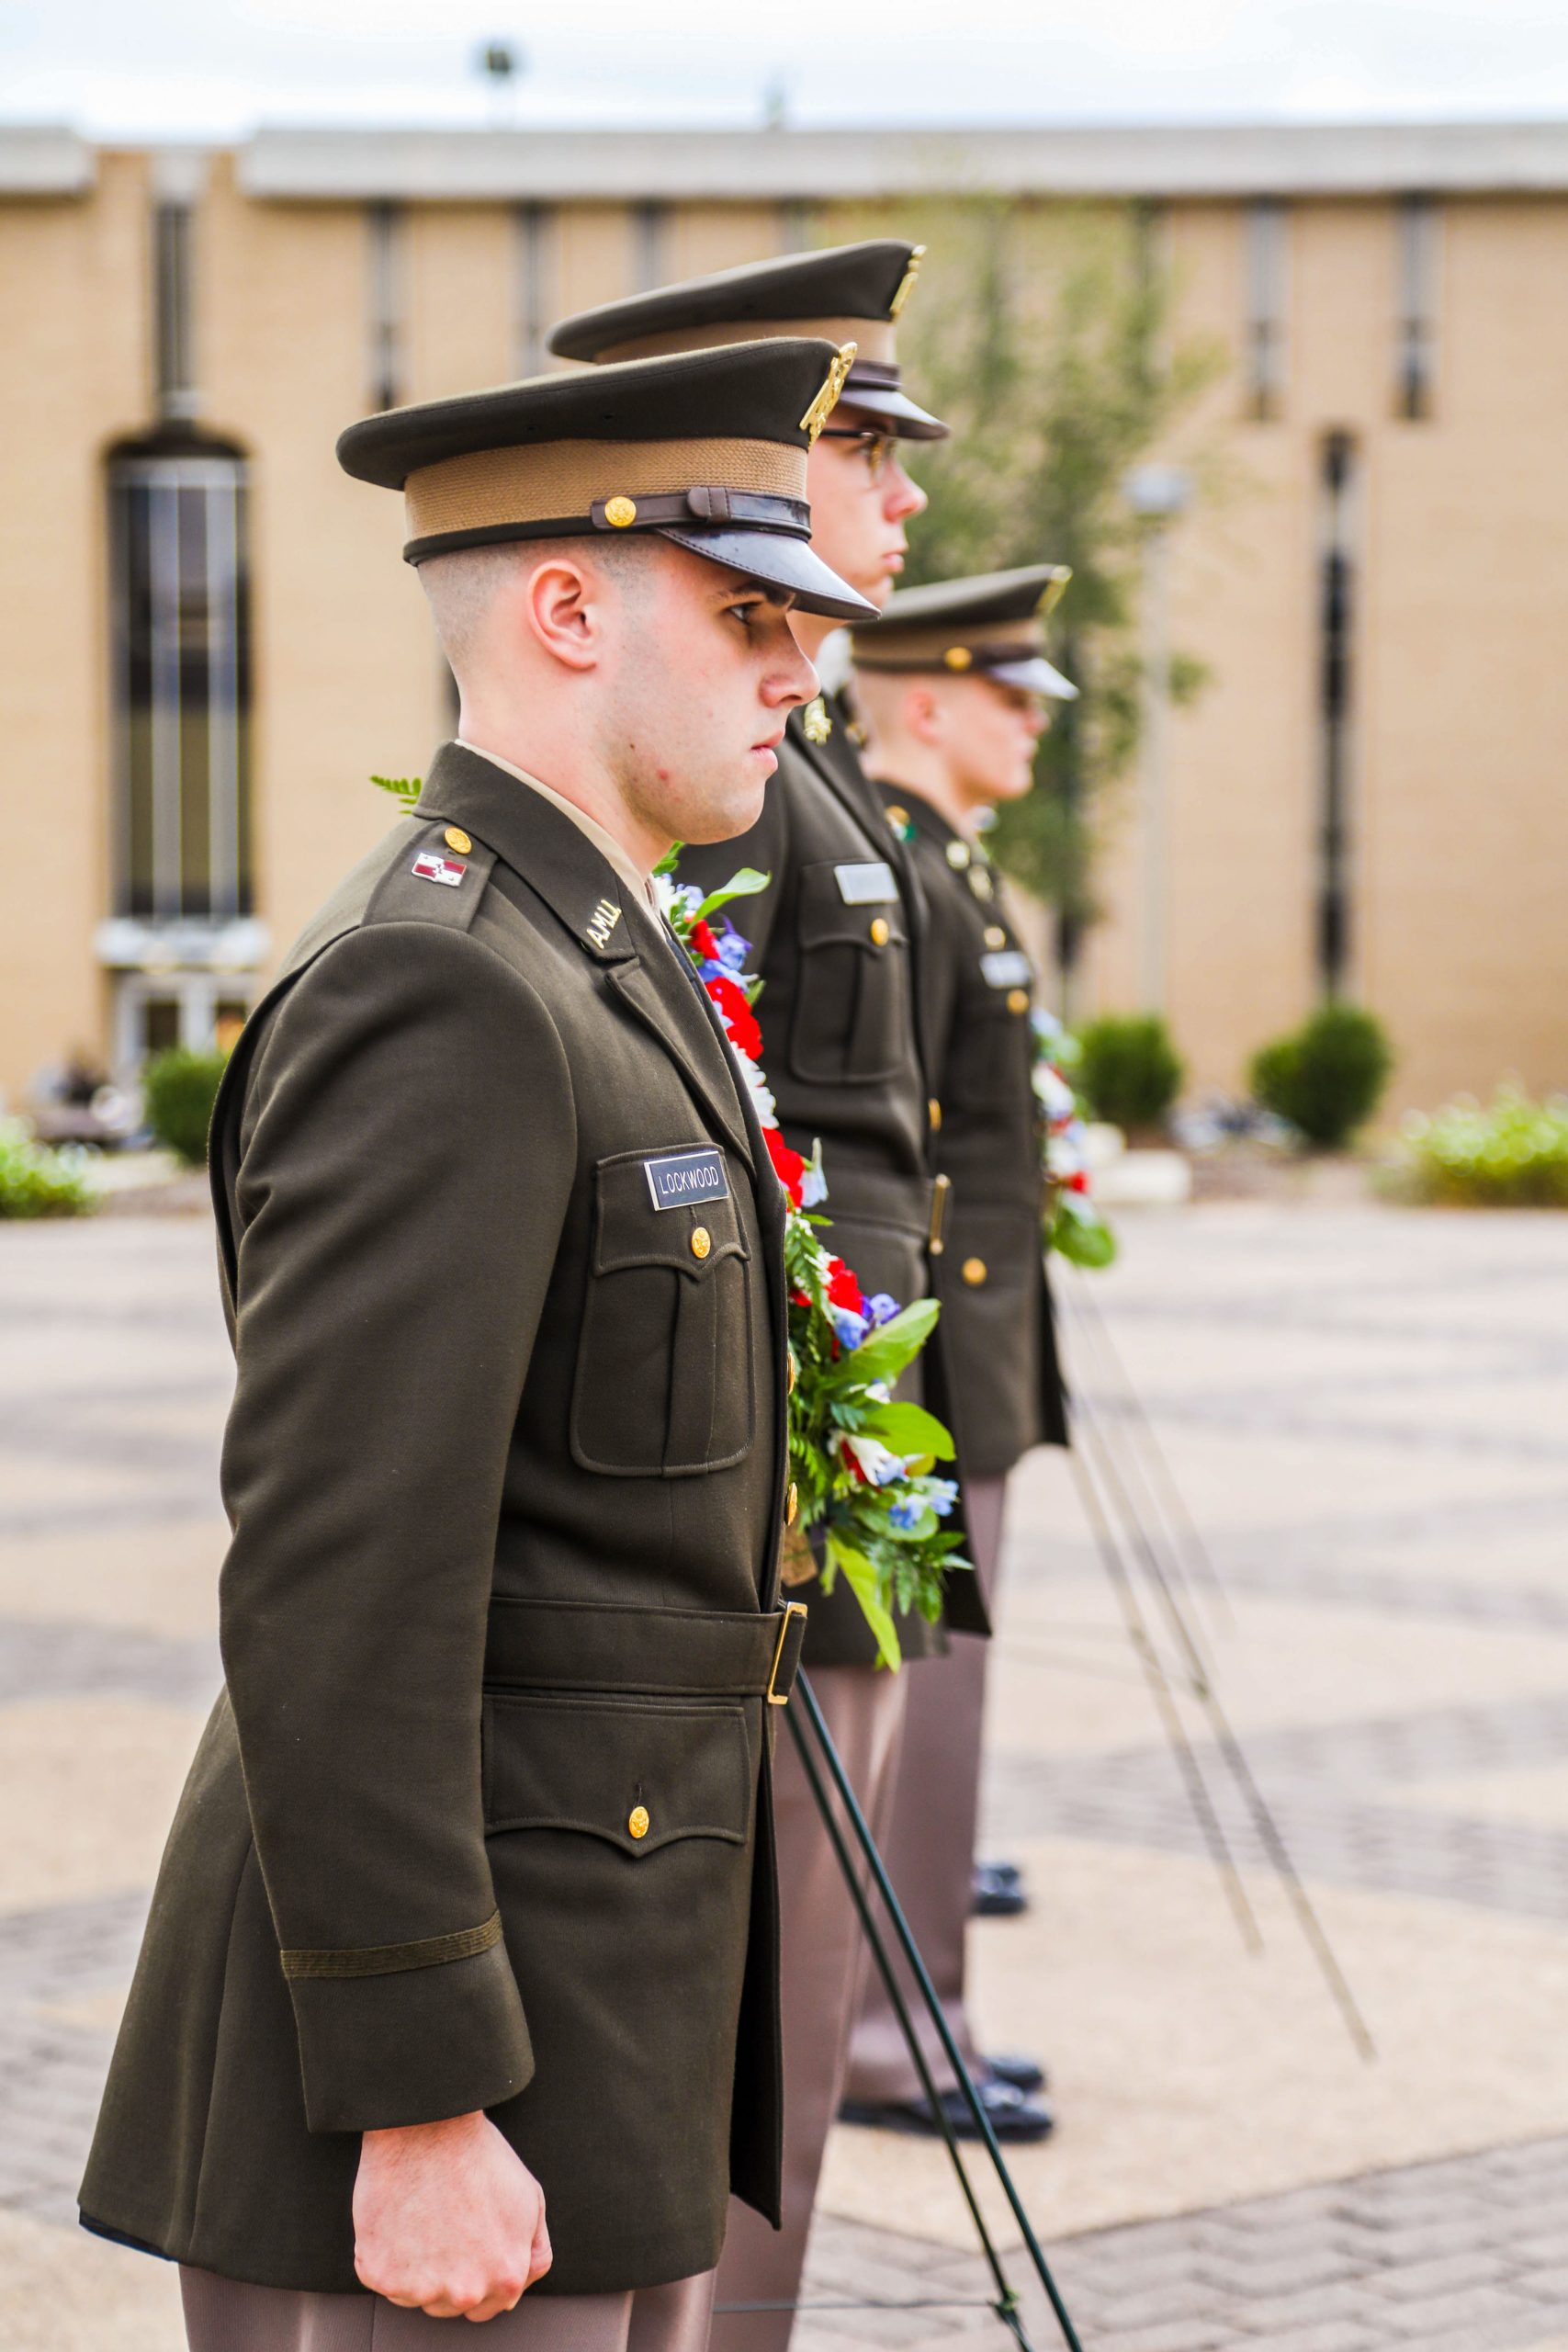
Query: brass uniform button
{"x": 958, "y": 855}
{"x": 792, "y": 1504}
{"x": 980, "y": 882}
{"x": 934, "y": 1112}
{"x": 620, "y": 511}
{"x": 995, "y": 935}
{"x": 637, "y": 1822}
{"x": 974, "y": 1270}
{"x": 789, "y": 1378}
{"x": 1018, "y": 999}
{"x": 880, "y": 934}
{"x": 701, "y": 1241}
{"x": 455, "y": 838}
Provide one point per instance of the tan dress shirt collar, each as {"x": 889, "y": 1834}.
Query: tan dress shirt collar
{"x": 608, "y": 847}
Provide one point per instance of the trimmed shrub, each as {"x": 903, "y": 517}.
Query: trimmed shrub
{"x": 1328, "y": 1077}
{"x": 36, "y": 1182}
{"x": 179, "y": 1088}
{"x": 1128, "y": 1071}
{"x": 1511, "y": 1154}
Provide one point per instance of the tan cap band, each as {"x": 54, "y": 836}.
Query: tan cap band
{"x": 873, "y": 337}
{"x": 561, "y": 479}
{"x": 891, "y": 647}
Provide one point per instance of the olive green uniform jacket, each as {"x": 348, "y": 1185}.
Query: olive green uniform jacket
{"x": 978, "y": 986}
{"x": 836, "y": 940}
{"x": 482, "y": 1818}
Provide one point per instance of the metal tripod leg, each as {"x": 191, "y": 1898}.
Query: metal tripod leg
{"x": 1006, "y": 2304}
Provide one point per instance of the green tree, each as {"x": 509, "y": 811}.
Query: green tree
{"x": 1043, "y": 336}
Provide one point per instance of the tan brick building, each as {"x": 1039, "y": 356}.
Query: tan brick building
{"x": 209, "y": 641}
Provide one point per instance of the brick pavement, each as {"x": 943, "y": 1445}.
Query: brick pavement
{"x": 1314, "y": 1378}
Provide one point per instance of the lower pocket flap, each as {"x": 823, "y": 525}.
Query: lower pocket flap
{"x": 637, "y": 1773}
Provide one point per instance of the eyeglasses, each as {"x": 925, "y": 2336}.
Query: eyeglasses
{"x": 878, "y": 446}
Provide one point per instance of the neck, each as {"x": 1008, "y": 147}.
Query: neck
{"x": 560, "y": 757}
{"x": 921, "y": 769}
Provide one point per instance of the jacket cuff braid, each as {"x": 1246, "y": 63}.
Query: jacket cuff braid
{"x": 413, "y": 2045}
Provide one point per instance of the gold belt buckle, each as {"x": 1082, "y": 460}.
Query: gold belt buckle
{"x": 792, "y": 1609}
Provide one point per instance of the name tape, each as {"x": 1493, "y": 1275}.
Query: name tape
{"x": 1007, "y": 967}
{"x": 681, "y": 1179}
{"x": 867, "y": 885}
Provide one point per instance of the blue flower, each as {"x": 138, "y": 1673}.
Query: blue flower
{"x": 941, "y": 1494}
{"x": 906, "y": 1511}
{"x": 882, "y": 1307}
{"x": 733, "y": 950}
{"x": 850, "y": 1328}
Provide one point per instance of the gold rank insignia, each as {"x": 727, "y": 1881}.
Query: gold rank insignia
{"x": 816, "y": 720}
{"x": 826, "y": 400}
{"x": 907, "y": 283}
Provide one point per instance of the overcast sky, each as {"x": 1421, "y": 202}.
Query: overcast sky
{"x": 213, "y": 68}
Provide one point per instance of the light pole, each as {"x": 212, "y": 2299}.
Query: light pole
{"x": 1156, "y": 494}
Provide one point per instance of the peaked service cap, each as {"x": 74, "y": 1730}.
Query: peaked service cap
{"x": 849, "y": 293}
{"x": 707, "y": 447}
{"x": 993, "y": 623}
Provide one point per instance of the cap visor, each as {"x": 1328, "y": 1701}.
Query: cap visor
{"x": 1036, "y": 676}
{"x": 782, "y": 562}
{"x": 895, "y": 409}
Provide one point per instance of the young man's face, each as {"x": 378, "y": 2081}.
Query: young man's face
{"x": 861, "y": 499}
{"x": 706, "y": 672}
{"x": 991, "y": 732}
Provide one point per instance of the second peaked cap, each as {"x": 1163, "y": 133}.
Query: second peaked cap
{"x": 705, "y": 448}
{"x": 992, "y": 623}
{"x": 849, "y": 293}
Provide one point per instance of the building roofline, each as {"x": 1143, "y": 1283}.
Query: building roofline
{"x": 44, "y": 159}
{"x": 1218, "y": 160}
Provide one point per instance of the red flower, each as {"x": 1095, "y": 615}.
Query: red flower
{"x": 788, "y": 1165}
{"x": 842, "y": 1287}
{"x": 1079, "y": 1182}
{"x": 704, "y": 941}
{"x": 799, "y": 1297}
{"x": 736, "y": 1015}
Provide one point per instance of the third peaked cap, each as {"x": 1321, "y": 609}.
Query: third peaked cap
{"x": 707, "y": 449}
{"x": 992, "y": 623}
{"x": 849, "y": 293}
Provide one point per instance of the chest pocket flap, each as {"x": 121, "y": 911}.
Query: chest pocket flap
{"x": 853, "y": 1024}
{"x": 664, "y": 1384}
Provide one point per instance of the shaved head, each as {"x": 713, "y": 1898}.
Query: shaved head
{"x": 463, "y": 588}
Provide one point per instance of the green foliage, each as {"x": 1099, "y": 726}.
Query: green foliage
{"x": 179, "y": 1088}
{"x": 406, "y": 788}
{"x": 1327, "y": 1078}
{"x": 1075, "y": 1230}
{"x": 1128, "y": 1071}
{"x": 1513, "y": 1153}
{"x": 36, "y": 1182}
{"x": 1045, "y": 339}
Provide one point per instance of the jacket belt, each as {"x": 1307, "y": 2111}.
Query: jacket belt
{"x": 599, "y": 1646}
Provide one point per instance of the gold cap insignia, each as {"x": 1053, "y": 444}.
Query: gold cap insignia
{"x": 958, "y": 657}
{"x": 620, "y": 512}
{"x": 826, "y": 400}
{"x": 906, "y": 284}
{"x": 816, "y": 721}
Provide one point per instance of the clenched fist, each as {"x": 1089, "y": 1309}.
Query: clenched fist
{"x": 447, "y": 2220}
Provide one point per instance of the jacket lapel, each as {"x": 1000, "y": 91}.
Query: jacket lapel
{"x": 651, "y": 983}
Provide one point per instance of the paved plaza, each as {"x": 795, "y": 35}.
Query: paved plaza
{"x": 1366, "y": 1410}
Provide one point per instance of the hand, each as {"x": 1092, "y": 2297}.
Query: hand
{"x": 447, "y": 2220}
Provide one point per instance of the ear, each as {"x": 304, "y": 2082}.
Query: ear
{"x": 923, "y": 714}
{"x": 562, "y": 609}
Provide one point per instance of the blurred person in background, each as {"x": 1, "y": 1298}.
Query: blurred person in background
{"x": 953, "y": 691}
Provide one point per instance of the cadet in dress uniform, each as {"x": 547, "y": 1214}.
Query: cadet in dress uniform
{"x": 952, "y": 685}
{"x": 480, "y": 1824}
{"x": 836, "y": 939}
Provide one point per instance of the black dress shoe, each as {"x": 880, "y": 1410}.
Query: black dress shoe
{"x": 997, "y": 1892}
{"x": 1011, "y": 2116}
{"x": 1024, "y": 2074}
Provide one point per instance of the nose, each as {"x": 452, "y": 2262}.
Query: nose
{"x": 790, "y": 679}
{"x": 903, "y": 495}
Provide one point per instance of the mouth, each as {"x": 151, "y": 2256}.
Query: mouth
{"x": 893, "y": 560}
{"x": 769, "y": 742}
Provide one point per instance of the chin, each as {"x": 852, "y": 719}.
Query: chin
{"x": 735, "y": 812}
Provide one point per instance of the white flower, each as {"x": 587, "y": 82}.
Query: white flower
{"x": 1053, "y": 1093}
{"x": 879, "y": 1464}
{"x": 762, "y": 1102}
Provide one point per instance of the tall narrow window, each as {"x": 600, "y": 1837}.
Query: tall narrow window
{"x": 535, "y": 276}
{"x": 1338, "y": 584}
{"x": 173, "y": 352}
{"x": 180, "y": 636}
{"x": 651, "y": 246}
{"x": 794, "y": 226}
{"x": 1267, "y": 227}
{"x": 385, "y": 225}
{"x": 1416, "y": 390}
